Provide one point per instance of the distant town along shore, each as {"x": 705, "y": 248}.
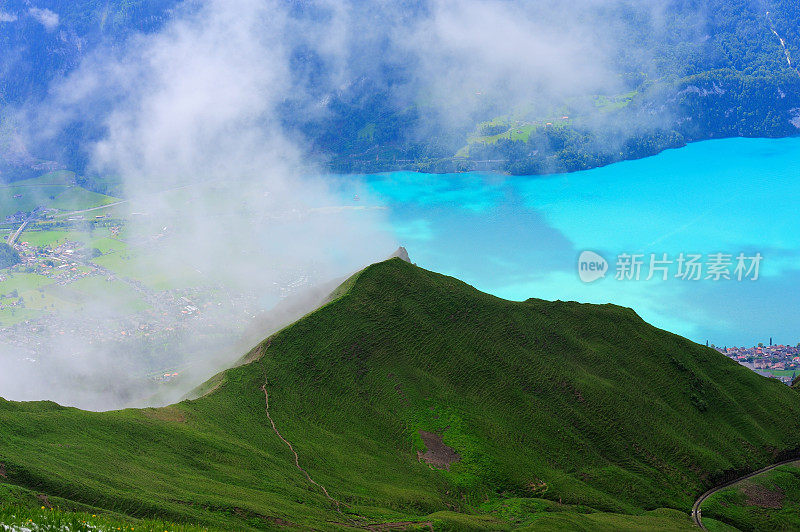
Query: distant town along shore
{"x": 781, "y": 362}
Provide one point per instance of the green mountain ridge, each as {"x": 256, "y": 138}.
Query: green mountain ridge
{"x": 559, "y": 414}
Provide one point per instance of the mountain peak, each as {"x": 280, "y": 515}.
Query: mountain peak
{"x": 401, "y": 253}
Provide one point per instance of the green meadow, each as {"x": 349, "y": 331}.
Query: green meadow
{"x": 23, "y": 510}
{"x": 56, "y": 190}
{"x": 100, "y": 238}
{"x": 769, "y": 501}
{"x": 99, "y": 291}
{"x": 22, "y": 282}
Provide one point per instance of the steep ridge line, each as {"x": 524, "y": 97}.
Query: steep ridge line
{"x": 697, "y": 514}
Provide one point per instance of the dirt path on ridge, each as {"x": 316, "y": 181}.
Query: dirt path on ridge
{"x": 296, "y": 456}
{"x": 379, "y": 527}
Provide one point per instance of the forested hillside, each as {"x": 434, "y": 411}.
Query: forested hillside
{"x": 715, "y": 69}
{"x": 694, "y": 71}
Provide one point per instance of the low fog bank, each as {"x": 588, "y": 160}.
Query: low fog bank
{"x": 223, "y": 218}
{"x": 103, "y": 375}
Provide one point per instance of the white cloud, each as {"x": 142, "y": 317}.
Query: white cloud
{"x": 193, "y": 110}
{"x": 7, "y": 17}
{"x": 45, "y": 17}
{"x": 198, "y": 106}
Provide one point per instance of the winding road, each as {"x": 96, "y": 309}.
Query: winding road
{"x": 697, "y": 516}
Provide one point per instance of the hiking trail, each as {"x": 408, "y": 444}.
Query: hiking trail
{"x": 296, "y": 456}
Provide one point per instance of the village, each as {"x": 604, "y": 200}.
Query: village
{"x": 777, "y": 361}
{"x": 39, "y": 294}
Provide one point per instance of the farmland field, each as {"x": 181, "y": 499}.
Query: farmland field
{"x": 76, "y": 198}
{"x": 26, "y": 198}
{"x": 97, "y": 238}
{"x": 55, "y": 190}
{"x": 22, "y": 282}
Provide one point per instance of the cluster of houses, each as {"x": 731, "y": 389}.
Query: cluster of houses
{"x": 20, "y": 216}
{"x": 185, "y": 319}
{"x": 64, "y": 263}
{"x": 766, "y": 359}
{"x": 17, "y": 217}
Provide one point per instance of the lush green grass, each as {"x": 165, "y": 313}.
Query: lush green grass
{"x": 99, "y": 238}
{"x": 522, "y": 133}
{"x": 615, "y": 103}
{"x": 740, "y": 506}
{"x": 59, "y": 177}
{"x": 22, "y": 282}
{"x": 108, "y": 245}
{"x": 77, "y": 198}
{"x": 662, "y": 519}
{"x": 55, "y": 190}
{"x": 30, "y": 287}
{"x": 542, "y": 514}
{"x": 145, "y": 267}
{"x": 564, "y": 415}
{"x": 22, "y": 509}
{"x": 27, "y": 197}
{"x": 45, "y": 238}
{"x": 12, "y": 316}
{"x": 718, "y": 526}
{"x": 43, "y": 519}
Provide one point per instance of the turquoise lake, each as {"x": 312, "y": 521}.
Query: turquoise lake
{"x": 520, "y": 237}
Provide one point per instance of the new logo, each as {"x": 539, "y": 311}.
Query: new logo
{"x": 591, "y": 266}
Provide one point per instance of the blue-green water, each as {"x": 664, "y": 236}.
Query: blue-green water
{"x": 520, "y": 237}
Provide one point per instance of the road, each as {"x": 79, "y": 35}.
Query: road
{"x": 106, "y": 206}
{"x": 696, "y": 512}
{"x": 15, "y": 235}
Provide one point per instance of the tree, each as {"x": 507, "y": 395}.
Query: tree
{"x": 8, "y": 256}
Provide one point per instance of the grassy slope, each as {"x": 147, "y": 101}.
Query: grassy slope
{"x": 24, "y": 510}
{"x": 54, "y": 190}
{"x": 731, "y": 505}
{"x": 586, "y": 405}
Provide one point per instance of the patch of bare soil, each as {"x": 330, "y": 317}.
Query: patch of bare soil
{"x": 256, "y": 353}
{"x": 3, "y": 470}
{"x": 167, "y": 413}
{"x": 44, "y": 500}
{"x": 762, "y": 496}
{"x": 437, "y": 453}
